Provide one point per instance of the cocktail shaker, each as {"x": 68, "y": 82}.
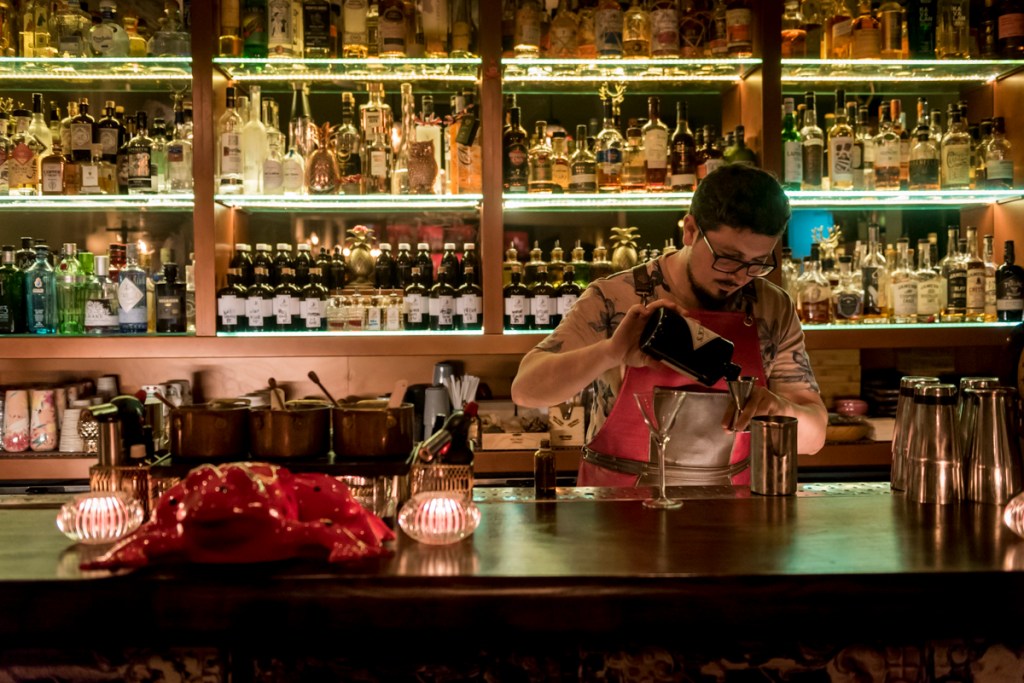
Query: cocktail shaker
{"x": 934, "y": 467}
{"x": 992, "y": 461}
{"x": 965, "y": 409}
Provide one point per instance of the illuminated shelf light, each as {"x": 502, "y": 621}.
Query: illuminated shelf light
{"x": 83, "y": 202}
{"x": 329, "y": 70}
{"x": 905, "y": 326}
{"x": 561, "y": 71}
{"x": 895, "y": 70}
{"x": 897, "y": 199}
{"x": 461, "y": 202}
{"x": 582, "y": 202}
{"x": 359, "y": 334}
{"x": 91, "y": 68}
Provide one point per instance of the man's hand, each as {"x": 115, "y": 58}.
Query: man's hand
{"x": 625, "y": 341}
{"x": 805, "y": 405}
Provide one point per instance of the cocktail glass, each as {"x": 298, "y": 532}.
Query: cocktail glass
{"x": 659, "y": 409}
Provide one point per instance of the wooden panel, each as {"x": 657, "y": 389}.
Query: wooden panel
{"x": 492, "y": 219}
{"x": 204, "y": 28}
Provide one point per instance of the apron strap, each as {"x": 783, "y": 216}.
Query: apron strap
{"x": 639, "y": 468}
{"x": 642, "y": 283}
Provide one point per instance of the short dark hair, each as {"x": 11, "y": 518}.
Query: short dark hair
{"x": 741, "y": 196}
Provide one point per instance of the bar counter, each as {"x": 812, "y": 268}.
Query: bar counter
{"x": 836, "y": 560}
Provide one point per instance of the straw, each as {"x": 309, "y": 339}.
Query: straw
{"x": 461, "y": 390}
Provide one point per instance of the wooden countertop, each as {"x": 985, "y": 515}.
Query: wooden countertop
{"x": 835, "y": 559}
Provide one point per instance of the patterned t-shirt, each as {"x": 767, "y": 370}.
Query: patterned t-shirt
{"x": 604, "y": 303}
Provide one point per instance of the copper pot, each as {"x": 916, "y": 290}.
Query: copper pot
{"x": 297, "y": 432}
{"x": 207, "y": 432}
{"x": 370, "y": 429}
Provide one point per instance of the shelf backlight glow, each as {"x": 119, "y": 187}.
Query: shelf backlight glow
{"x": 460, "y": 202}
{"x": 896, "y": 70}
{"x": 100, "y": 202}
{"x": 358, "y": 335}
{"x": 91, "y": 68}
{"x": 315, "y": 70}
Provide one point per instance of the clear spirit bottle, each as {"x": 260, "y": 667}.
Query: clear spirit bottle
{"x": 814, "y": 292}
{"x": 848, "y": 296}
{"x": 887, "y": 153}
{"x": 636, "y": 31}
{"x": 924, "y": 163}
{"x": 929, "y": 285}
{"x": 179, "y": 155}
{"x": 874, "y": 274}
{"x": 132, "y": 312}
{"x": 158, "y": 156}
{"x": 655, "y": 147}
{"x": 254, "y": 144}
{"x": 541, "y": 167}
{"x": 999, "y": 157}
{"x": 582, "y": 165}
{"x": 609, "y": 153}
{"x": 975, "y": 311}
{"x": 108, "y": 38}
{"x": 41, "y": 294}
{"x": 956, "y": 155}
{"x": 812, "y": 146}
{"x": 355, "y": 37}
{"x": 987, "y": 255}
{"x": 229, "y": 147}
{"x": 840, "y": 148}
{"x": 904, "y": 285}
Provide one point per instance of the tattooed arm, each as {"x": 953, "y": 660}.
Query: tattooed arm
{"x": 592, "y": 339}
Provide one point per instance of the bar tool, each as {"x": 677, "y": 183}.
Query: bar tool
{"x": 316, "y": 381}
{"x": 934, "y": 464}
{"x": 965, "y": 409}
{"x": 904, "y": 422}
{"x": 740, "y": 390}
{"x": 992, "y": 460}
{"x": 773, "y": 457}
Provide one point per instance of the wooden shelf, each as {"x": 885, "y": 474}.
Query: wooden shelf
{"x": 906, "y": 336}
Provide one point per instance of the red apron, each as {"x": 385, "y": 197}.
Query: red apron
{"x": 624, "y": 433}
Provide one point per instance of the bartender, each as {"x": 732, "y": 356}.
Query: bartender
{"x": 730, "y": 235}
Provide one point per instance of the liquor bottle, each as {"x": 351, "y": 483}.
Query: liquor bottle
{"x": 179, "y": 155}
{"x": 952, "y": 30}
{"x": 259, "y": 302}
{"x": 229, "y": 156}
{"x": 583, "y": 165}
{"x": 794, "y": 32}
{"x": 254, "y": 143}
{"x": 242, "y": 260}
{"x": 254, "y": 29}
{"x": 462, "y": 32}
{"x": 516, "y": 167}
{"x": 954, "y": 269}
{"x": 518, "y": 315}
{"x": 981, "y": 135}
{"x": 839, "y": 32}
{"x": 109, "y": 132}
{"x": 312, "y": 300}
{"x": 609, "y": 153}
{"x": 391, "y": 28}
{"x": 848, "y": 296}
{"x": 561, "y": 169}
{"x": 814, "y": 295}
{"x": 608, "y": 28}
{"x": 348, "y": 146}
{"x": 665, "y": 24}
{"x": 566, "y": 295}
{"x": 355, "y": 38}
{"x": 891, "y": 30}
{"x": 25, "y": 256}
{"x": 108, "y": 38}
{"x": 5, "y": 153}
{"x": 132, "y": 311}
{"x": 284, "y": 22}
{"x": 533, "y": 265}
{"x": 813, "y": 20}
{"x": 12, "y": 294}
{"x": 170, "y": 39}
{"x": 542, "y": 300}
{"x": 924, "y": 163}
{"x": 929, "y": 285}
{"x": 655, "y": 146}
{"x": 450, "y": 262}
{"x": 317, "y": 29}
{"x": 998, "y": 158}
{"x": 469, "y": 300}
{"x": 287, "y": 304}
{"x": 282, "y": 259}
{"x": 813, "y": 146}
{"x": 71, "y": 31}
{"x": 956, "y": 155}
{"x": 100, "y": 300}
{"x": 441, "y": 306}
{"x": 302, "y": 264}
{"x": 887, "y": 152}
{"x": 580, "y": 266}
{"x": 35, "y": 33}
{"x": 713, "y": 155}
{"x": 739, "y": 26}
{"x": 41, "y": 294}
{"x": 741, "y": 153}
{"x": 540, "y": 163}
{"x": 683, "y": 155}
{"x": 975, "y": 266}
{"x": 229, "y": 44}
{"x": 988, "y": 256}
{"x": 904, "y": 285}
{"x": 429, "y": 129}
{"x": 1010, "y": 29}
{"x": 600, "y": 266}
{"x": 170, "y": 302}
{"x": 874, "y": 273}
{"x": 633, "y": 171}
{"x": 38, "y": 127}
{"x": 385, "y": 270}
{"x": 636, "y": 31}
{"x": 425, "y": 263}
{"x": 527, "y": 31}
{"x": 1009, "y": 287}
{"x": 403, "y": 265}
{"x": 293, "y": 168}
{"x": 586, "y": 34}
{"x": 82, "y": 133}
{"x": 190, "y": 294}
{"x": 840, "y": 148}
{"x": 900, "y": 128}
{"x": 51, "y": 172}
{"x": 158, "y": 156}
{"x": 122, "y": 152}
{"x": 417, "y": 311}
{"x": 792, "y": 149}
{"x": 140, "y": 155}
{"x": 231, "y": 303}
{"x": 867, "y": 34}
{"x": 70, "y": 282}
{"x": 301, "y": 128}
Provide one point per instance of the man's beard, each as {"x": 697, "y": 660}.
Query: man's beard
{"x": 707, "y": 300}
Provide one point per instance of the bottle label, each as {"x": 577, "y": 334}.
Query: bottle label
{"x": 849, "y": 306}
{"x": 872, "y": 290}
{"x": 1000, "y": 169}
{"x": 684, "y": 181}
{"x": 887, "y": 155}
{"x": 904, "y": 298}
{"x": 90, "y": 177}
{"x": 391, "y": 29}
{"x": 976, "y": 290}
{"x": 100, "y": 313}
{"x": 527, "y": 31}
{"x": 227, "y": 309}
{"x": 415, "y": 307}
{"x": 956, "y": 290}
{"x": 129, "y": 298}
{"x": 713, "y": 164}
{"x": 312, "y": 313}
{"x": 665, "y": 32}
{"x": 354, "y": 21}
{"x": 373, "y": 318}
{"x": 81, "y": 137}
{"x": 393, "y": 318}
{"x": 737, "y": 27}
{"x": 53, "y": 178}
{"x": 283, "y": 309}
{"x": 469, "y": 309}
{"x": 565, "y": 303}
{"x": 610, "y": 160}
{"x": 840, "y": 157}
{"x": 583, "y": 182}
{"x": 699, "y": 335}
{"x": 1011, "y": 293}
{"x": 378, "y": 163}
{"x": 291, "y": 175}
{"x": 956, "y": 164}
{"x": 168, "y": 308}
{"x": 445, "y": 310}
{"x": 928, "y": 297}
{"x": 560, "y": 175}
{"x": 254, "y": 311}
{"x": 230, "y": 153}
{"x": 272, "y": 178}
{"x": 866, "y": 43}
{"x": 608, "y": 32}
{"x": 1011, "y": 25}
{"x": 793, "y": 162}
{"x": 515, "y": 309}
{"x": 139, "y": 170}
{"x": 542, "y": 308}
{"x": 813, "y": 164}
{"x": 656, "y": 148}
{"x": 108, "y": 141}
{"x": 281, "y": 27}
{"x": 990, "y": 295}
{"x": 316, "y": 25}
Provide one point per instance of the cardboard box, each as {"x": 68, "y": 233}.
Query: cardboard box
{"x": 508, "y": 427}
{"x": 566, "y": 425}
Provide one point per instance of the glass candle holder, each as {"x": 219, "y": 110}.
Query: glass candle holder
{"x": 439, "y": 518}
{"x": 100, "y": 517}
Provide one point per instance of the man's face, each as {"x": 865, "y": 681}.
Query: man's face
{"x": 712, "y": 287}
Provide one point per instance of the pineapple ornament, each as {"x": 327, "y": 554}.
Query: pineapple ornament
{"x": 322, "y": 175}
{"x": 624, "y": 253}
{"x": 360, "y": 260}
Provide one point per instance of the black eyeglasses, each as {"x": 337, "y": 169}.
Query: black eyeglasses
{"x": 724, "y": 264}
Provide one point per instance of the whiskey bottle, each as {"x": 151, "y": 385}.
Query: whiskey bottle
{"x": 998, "y": 158}
{"x": 813, "y": 291}
{"x": 683, "y": 170}
{"x": 515, "y": 162}
{"x": 839, "y": 32}
{"x": 609, "y": 153}
{"x": 586, "y": 36}
{"x": 518, "y": 314}
{"x": 887, "y": 153}
{"x": 987, "y": 255}
{"x": 51, "y": 171}
{"x": 170, "y": 302}
{"x": 231, "y": 303}
{"x": 608, "y": 28}
{"x": 561, "y": 171}
{"x": 313, "y": 299}
{"x": 259, "y": 302}
{"x": 904, "y": 285}
{"x": 133, "y": 311}
{"x": 840, "y": 148}
{"x": 355, "y": 38}
{"x": 469, "y": 301}
{"x": 929, "y": 285}
{"x": 665, "y": 25}
{"x": 655, "y": 145}
{"x": 140, "y": 157}
{"x": 441, "y": 306}
{"x": 848, "y": 296}
{"x": 924, "y": 163}
{"x": 1009, "y": 287}
{"x": 417, "y": 307}
{"x": 391, "y": 28}
{"x": 563, "y": 32}
{"x": 956, "y": 155}
{"x": 975, "y": 266}
{"x": 812, "y": 147}
{"x": 633, "y": 171}
{"x": 636, "y": 31}
{"x": 229, "y": 44}
{"x": 540, "y": 163}
{"x": 287, "y": 303}
{"x": 583, "y": 165}
{"x": 956, "y": 281}
{"x": 739, "y": 28}
{"x": 952, "y": 30}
